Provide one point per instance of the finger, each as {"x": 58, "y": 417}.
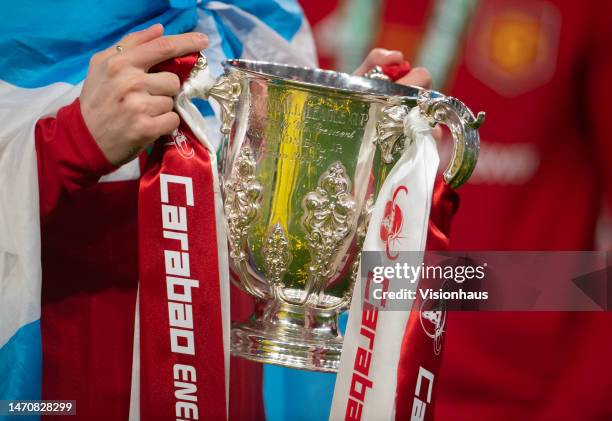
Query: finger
{"x": 159, "y": 105}
{"x": 419, "y": 76}
{"x": 140, "y": 37}
{"x": 150, "y": 105}
{"x": 133, "y": 39}
{"x": 163, "y": 48}
{"x": 379, "y": 57}
{"x": 162, "y": 83}
{"x": 165, "y": 123}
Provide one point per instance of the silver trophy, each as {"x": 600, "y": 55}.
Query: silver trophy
{"x": 304, "y": 155}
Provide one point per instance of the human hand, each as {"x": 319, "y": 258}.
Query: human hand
{"x": 417, "y": 76}
{"x": 124, "y": 107}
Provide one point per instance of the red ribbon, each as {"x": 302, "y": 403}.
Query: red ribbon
{"x": 182, "y": 370}
{"x": 396, "y": 70}
{"x": 418, "y": 368}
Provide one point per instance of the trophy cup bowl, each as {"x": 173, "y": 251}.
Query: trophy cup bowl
{"x": 304, "y": 155}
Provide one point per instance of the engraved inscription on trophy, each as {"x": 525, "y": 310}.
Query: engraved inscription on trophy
{"x": 297, "y": 126}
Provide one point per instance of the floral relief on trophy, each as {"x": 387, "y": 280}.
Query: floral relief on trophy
{"x": 243, "y": 193}
{"x": 276, "y": 255}
{"x": 329, "y": 212}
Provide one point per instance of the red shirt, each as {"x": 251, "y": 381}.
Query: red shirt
{"x": 90, "y": 277}
{"x": 542, "y": 70}
{"x": 543, "y": 73}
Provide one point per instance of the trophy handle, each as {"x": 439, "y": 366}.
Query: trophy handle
{"x": 436, "y": 108}
{"x": 464, "y": 129}
{"x": 225, "y": 90}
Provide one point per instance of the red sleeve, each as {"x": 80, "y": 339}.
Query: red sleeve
{"x": 68, "y": 157}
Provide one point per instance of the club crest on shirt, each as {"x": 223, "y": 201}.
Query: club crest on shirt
{"x": 183, "y": 144}
{"x": 513, "y": 45}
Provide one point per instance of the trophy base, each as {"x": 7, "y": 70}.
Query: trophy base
{"x": 283, "y": 334}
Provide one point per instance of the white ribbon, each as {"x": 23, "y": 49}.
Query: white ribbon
{"x": 416, "y": 172}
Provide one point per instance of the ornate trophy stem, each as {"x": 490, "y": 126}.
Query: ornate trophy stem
{"x": 285, "y": 334}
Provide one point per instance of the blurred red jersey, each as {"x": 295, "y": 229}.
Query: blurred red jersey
{"x": 542, "y": 70}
